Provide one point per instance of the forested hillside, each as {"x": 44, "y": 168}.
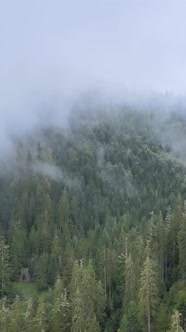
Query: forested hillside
{"x": 96, "y": 211}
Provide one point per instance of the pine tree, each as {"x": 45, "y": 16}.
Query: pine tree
{"x": 41, "y": 272}
{"x": 17, "y": 322}
{"x": 180, "y": 302}
{"x": 18, "y": 247}
{"x": 130, "y": 321}
{"x": 175, "y": 322}
{"x": 68, "y": 260}
{"x": 83, "y": 298}
{"x": 162, "y": 322}
{"x": 5, "y": 269}
{"x": 4, "y": 315}
{"x": 100, "y": 302}
{"x": 57, "y": 252}
{"x": 148, "y": 292}
{"x": 182, "y": 246}
{"x": 30, "y": 314}
{"x": 131, "y": 281}
{"x": 174, "y": 227}
{"x": 60, "y": 314}
{"x": 161, "y": 245}
{"x": 64, "y": 210}
{"x": 41, "y": 319}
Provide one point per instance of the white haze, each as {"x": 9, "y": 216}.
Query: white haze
{"x": 54, "y": 52}
{"x": 51, "y": 171}
{"x": 54, "y": 173}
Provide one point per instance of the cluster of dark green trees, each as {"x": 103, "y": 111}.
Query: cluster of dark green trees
{"x": 97, "y": 214}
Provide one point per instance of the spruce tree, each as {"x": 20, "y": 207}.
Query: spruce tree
{"x": 83, "y": 299}
{"x": 175, "y": 322}
{"x": 60, "y": 313}
{"x": 148, "y": 291}
{"x": 182, "y": 246}
{"x": 5, "y": 269}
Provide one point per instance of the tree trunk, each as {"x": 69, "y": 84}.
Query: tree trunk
{"x": 148, "y": 315}
{"x": 149, "y": 323}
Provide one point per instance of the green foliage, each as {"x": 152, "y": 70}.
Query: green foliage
{"x": 83, "y": 295}
{"x": 60, "y": 313}
{"x": 24, "y": 289}
{"x": 162, "y": 322}
{"x": 4, "y": 315}
{"x": 5, "y": 268}
{"x": 182, "y": 247}
{"x": 17, "y": 322}
{"x": 78, "y": 211}
{"x": 130, "y": 321}
{"x": 175, "y": 322}
{"x": 148, "y": 291}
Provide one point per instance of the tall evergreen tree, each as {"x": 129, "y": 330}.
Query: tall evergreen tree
{"x": 83, "y": 299}
{"x": 131, "y": 281}
{"x": 5, "y": 269}
{"x": 148, "y": 291}
{"x": 130, "y": 321}
{"x": 60, "y": 315}
{"x": 182, "y": 247}
{"x": 175, "y": 322}
{"x": 4, "y": 315}
{"x": 17, "y": 322}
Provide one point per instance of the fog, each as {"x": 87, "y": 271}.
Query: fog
{"x": 55, "y": 52}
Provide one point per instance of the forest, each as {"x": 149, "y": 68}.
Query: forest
{"x": 95, "y": 212}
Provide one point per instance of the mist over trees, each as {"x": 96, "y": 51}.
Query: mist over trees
{"x": 92, "y": 166}
{"x": 96, "y": 212}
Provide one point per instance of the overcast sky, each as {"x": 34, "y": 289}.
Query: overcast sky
{"x": 63, "y": 47}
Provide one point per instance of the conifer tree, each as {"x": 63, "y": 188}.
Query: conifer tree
{"x": 5, "y": 269}
{"x": 4, "y": 315}
{"x": 60, "y": 314}
{"x": 30, "y": 314}
{"x": 162, "y": 322}
{"x": 174, "y": 227}
{"x": 131, "y": 281}
{"x": 130, "y": 321}
{"x": 175, "y": 322}
{"x": 41, "y": 319}
{"x": 161, "y": 245}
{"x": 17, "y": 322}
{"x": 56, "y": 251}
{"x": 18, "y": 247}
{"x": 182, "y": 246}
{"x": 148, "y": 291}
{"x": 100, "y": 302}
{"x": 83, "y": 299}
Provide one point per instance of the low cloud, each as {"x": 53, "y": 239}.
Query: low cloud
{"x": 54, "y": 54}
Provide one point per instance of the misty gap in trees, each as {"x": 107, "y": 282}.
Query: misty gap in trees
{"x": 97, "y": 214}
